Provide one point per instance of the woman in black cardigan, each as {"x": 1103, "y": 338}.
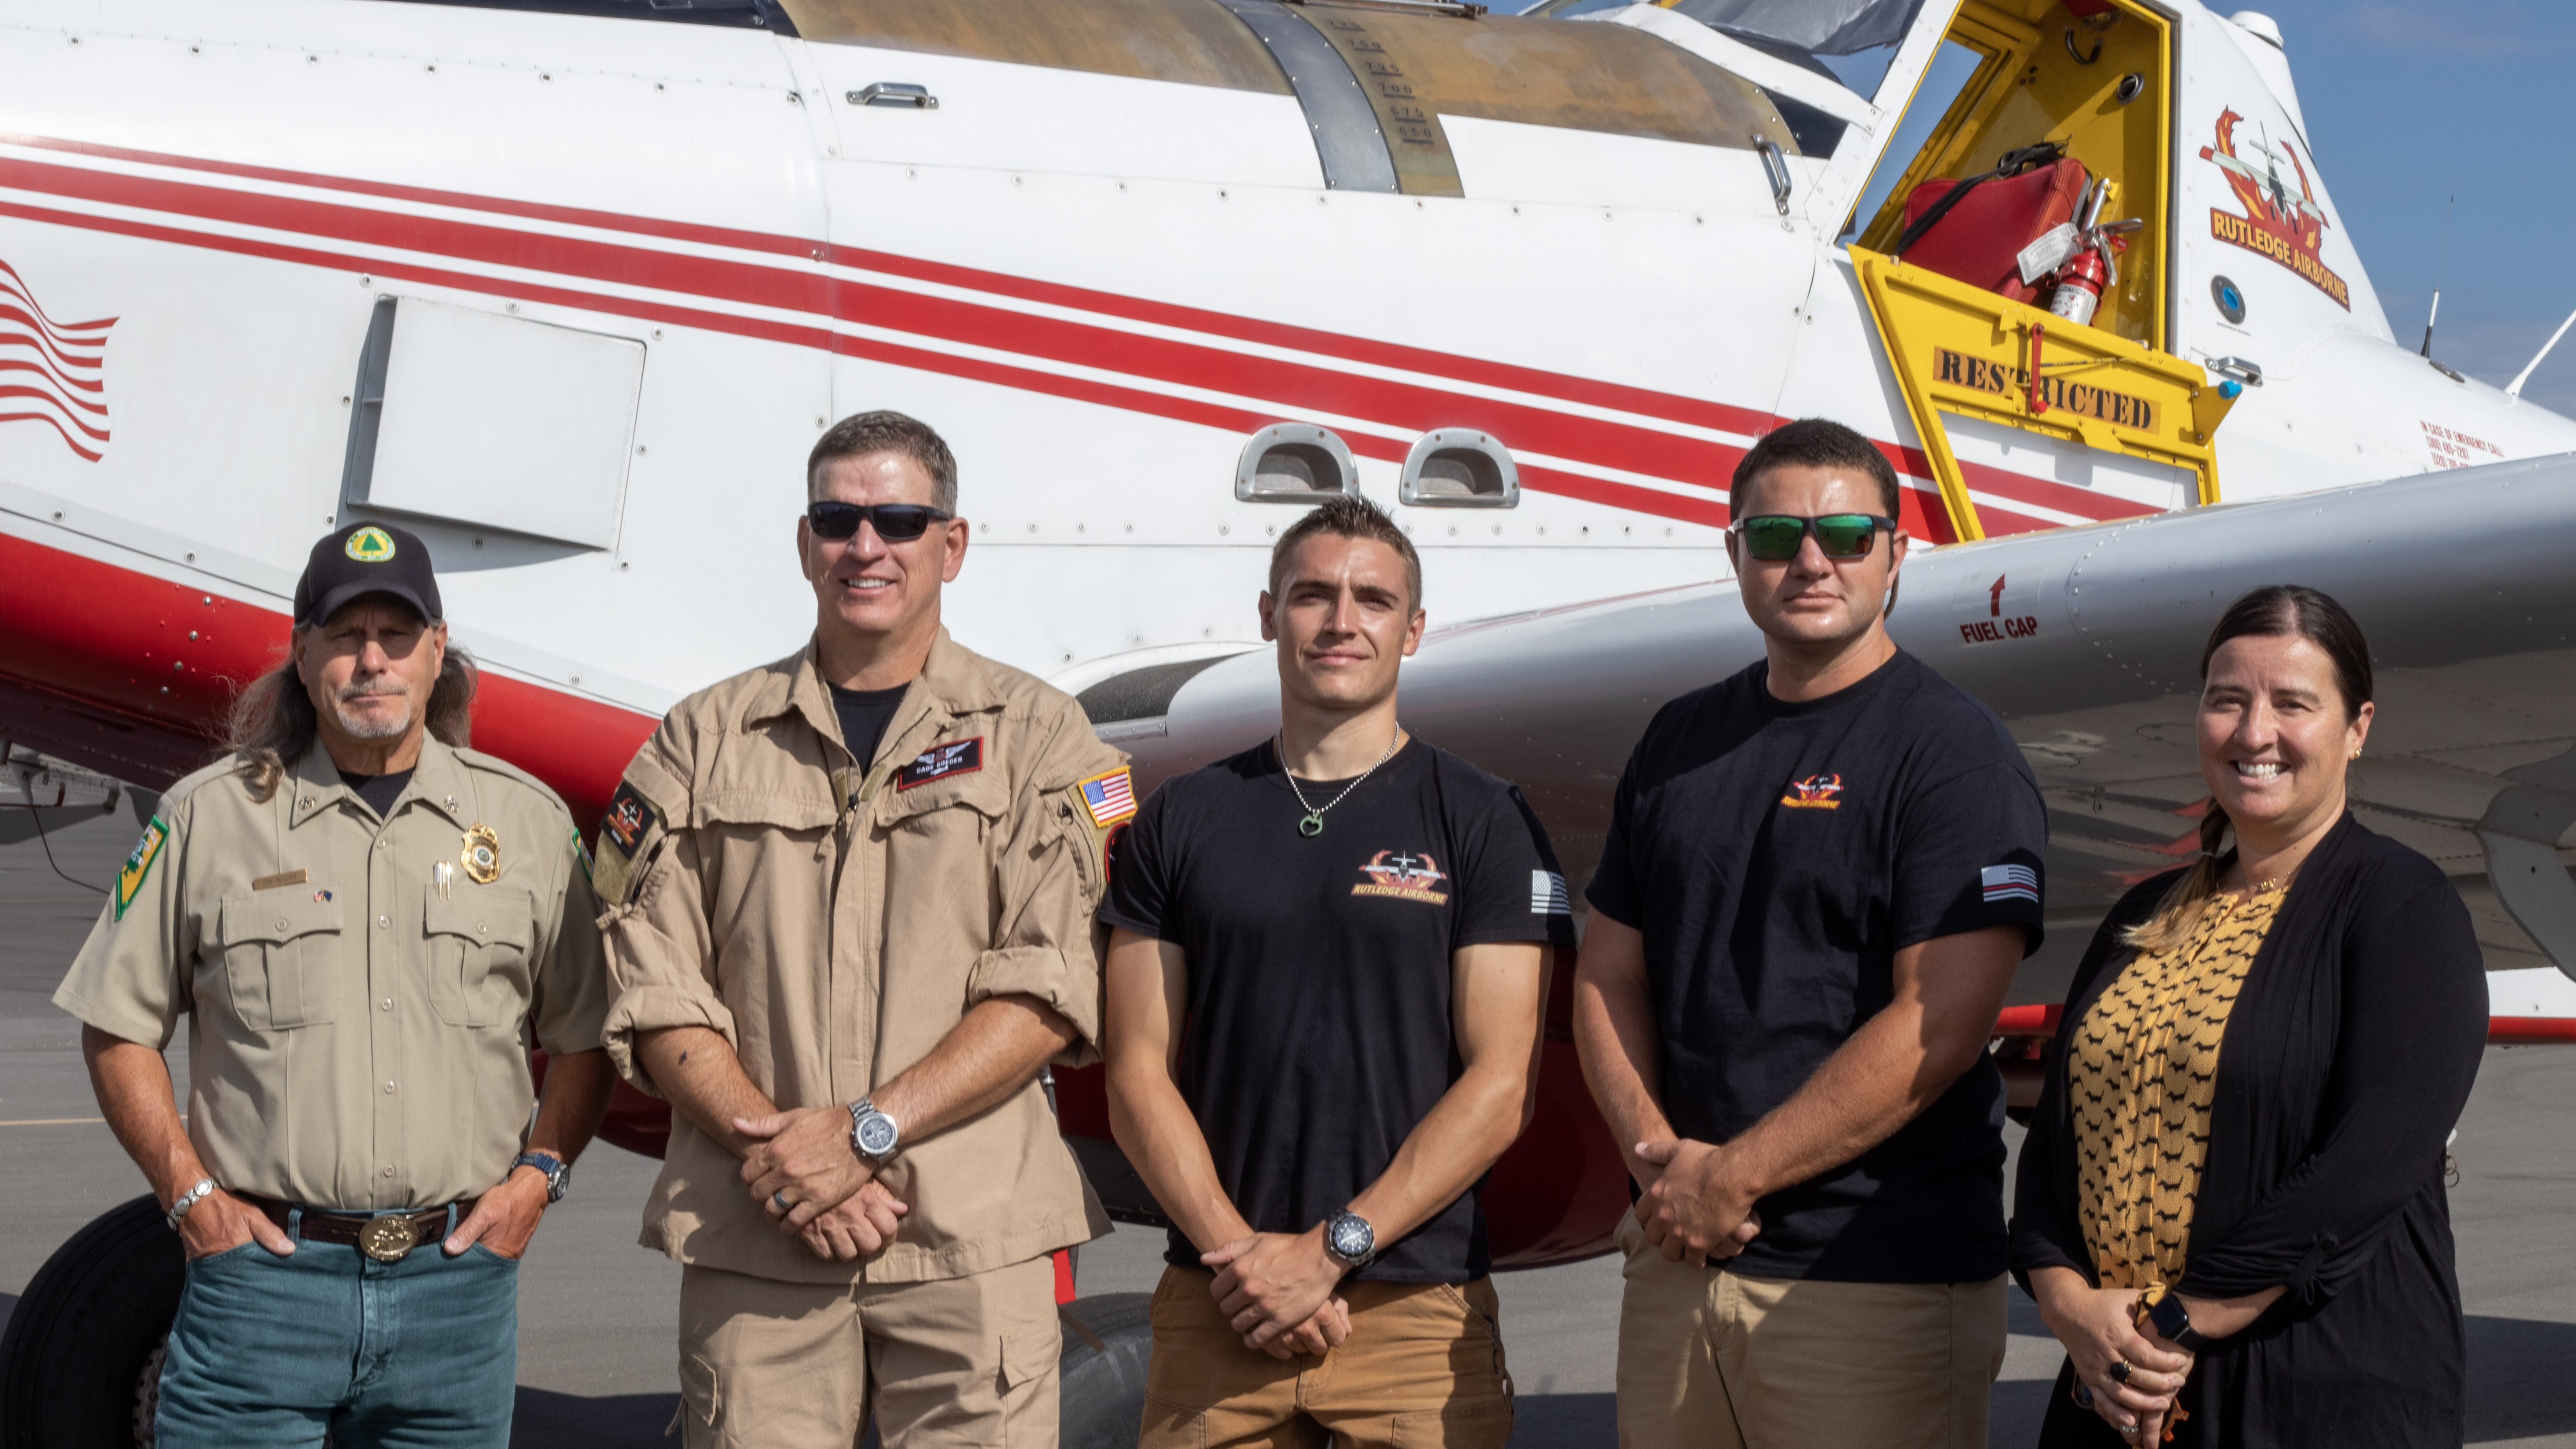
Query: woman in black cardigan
{"x": 2230, "y": 1207}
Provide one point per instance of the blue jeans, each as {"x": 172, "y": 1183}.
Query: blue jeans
{"x": 269, "y": 1351}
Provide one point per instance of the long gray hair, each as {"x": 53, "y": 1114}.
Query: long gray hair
{"x": 273, "y": 721}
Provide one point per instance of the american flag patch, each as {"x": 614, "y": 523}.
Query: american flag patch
{"x": 2010, "y": 883}
{"x": 1547, "y": 894}
{"x": 1110, "y": 797}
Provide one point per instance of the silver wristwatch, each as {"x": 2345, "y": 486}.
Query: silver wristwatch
{"x": 1349, "y": 1240}
{"x": 558, "y": 1172}
{"x": 873, "y": 1134}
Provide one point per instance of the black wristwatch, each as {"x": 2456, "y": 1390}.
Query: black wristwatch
{"x": 2172, "y": 1323}
{"x": 558, "y": 1172}
{"x": 1349, "y": 1240}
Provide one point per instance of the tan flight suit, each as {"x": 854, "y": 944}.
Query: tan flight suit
{"x": 357, "y": 1035}
{"x": 834, "y": 924}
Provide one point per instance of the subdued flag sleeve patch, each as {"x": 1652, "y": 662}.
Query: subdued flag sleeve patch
{"x": 2009, "y": 883}
{"x": 1110, "y": 797}
{"x": 130, "y": 876}
{"x": 1547, "y": 894}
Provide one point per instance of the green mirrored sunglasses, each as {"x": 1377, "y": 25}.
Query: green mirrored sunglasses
{"x": 1776, "y": 537}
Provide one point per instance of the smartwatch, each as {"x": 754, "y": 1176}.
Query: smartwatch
{"x": 873, "y": 1135}
{"x": 558, "y": 1172}
{"x": 2172, "y": 1322}
{"x": 1349, "y": 1240}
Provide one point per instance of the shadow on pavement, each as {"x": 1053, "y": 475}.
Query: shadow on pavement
{"x": 546, "y": 1419}
{"x": 1565, "y": 1421}
{"x": 2519, "y": 1386}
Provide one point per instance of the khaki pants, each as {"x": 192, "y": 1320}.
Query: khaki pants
{"x": 964, "y": 1361}
{"x": 1423, "y": 1366}
{"x": 1716, "y": 1360}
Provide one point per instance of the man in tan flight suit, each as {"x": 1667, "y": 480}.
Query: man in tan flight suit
{"x": 363, "y": 921}
{"x": 850, "y": 924}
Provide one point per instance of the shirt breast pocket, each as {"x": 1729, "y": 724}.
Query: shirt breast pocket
{"x": 281, "y": 955}
{"x": 479, "y": 941}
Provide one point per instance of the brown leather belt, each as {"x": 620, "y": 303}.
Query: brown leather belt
{"x": 385, "y": 1237}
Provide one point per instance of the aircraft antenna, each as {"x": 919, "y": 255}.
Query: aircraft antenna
{"x": 2439, "y": 262}
{"x": 2513, "y": 393}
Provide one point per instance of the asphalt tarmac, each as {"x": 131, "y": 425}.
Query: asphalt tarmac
{"x": 597, "y": 1313}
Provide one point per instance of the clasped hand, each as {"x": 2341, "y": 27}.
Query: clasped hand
{"x": 1277, "y": 1291}
{"x": 803, "y": 1171}
{"x": 1693, "y": 1208}
{"x": 2099, "y": 1329}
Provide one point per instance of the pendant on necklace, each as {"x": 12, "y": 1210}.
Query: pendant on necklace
{"x": 1312, "y": 825}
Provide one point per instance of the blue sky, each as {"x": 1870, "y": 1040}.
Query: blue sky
{"x": 2410, "y": 102}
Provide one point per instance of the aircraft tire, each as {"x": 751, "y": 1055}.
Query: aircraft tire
{"x": 94, "y": 1317}
{"x": 1101, "y": 1388}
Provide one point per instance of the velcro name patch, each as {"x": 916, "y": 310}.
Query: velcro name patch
{"x": 957, "y": 757}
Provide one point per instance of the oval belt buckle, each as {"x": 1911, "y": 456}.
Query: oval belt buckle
{"x": 388, "y": 1237}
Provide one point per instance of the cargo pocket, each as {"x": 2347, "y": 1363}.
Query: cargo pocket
{"x": 701, "y": 1412}
{"x": 478, "y": 941}
{"x": 281, "y": 954}
{"x": 1468, "y": 1426}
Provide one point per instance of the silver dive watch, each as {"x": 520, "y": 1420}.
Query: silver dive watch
{"x": 1349, "y": 1240}
{"x": 873, "y": 1135}
{"x": 557, "y": 1171}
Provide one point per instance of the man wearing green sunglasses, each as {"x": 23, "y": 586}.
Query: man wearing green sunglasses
{"x": 1818, "y": 878}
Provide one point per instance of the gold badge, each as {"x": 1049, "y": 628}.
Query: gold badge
{"x": 388, "y": 1237}
{"x": 483, "y": 854}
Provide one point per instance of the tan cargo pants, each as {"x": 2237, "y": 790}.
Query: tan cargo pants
{"x": 967, "y": 1362}
{"x": 1716, "y": 1360}
{"x": 1423, "y": 1369}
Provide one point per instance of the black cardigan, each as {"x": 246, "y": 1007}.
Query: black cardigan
{"x": 2347, "y": 1060}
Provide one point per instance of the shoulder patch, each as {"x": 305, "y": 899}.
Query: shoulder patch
{"x": 1108, "y": 797}
{"x": 129, "y": 879}
{"x": 957, "y": 757}
{"x": 624, "y": 832}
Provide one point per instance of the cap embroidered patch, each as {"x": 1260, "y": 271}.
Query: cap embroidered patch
{"x": 129, "y": 879}
{"x": 1110, "y": 797}
{"x": 1816, "y": 792}
{"x": 957, "y": 757}
{"x": 1547, "y": 894}
{"x": 369, "y": 545}
{"x": 2010, "y": 883}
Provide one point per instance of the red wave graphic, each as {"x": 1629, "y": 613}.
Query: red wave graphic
{"x": 53, "y": 370}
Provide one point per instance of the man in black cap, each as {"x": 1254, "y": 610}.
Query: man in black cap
{"x": 362, "y": 921}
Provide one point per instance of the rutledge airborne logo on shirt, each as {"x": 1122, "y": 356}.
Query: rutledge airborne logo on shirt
{"x": 1816, "y": 792}
{"x": 1404, "y": 877}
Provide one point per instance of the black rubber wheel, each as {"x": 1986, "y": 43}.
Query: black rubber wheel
{"x": 73, "y": 1362}
{"x": 1107, "y": 1340}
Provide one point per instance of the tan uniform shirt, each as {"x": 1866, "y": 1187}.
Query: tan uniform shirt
{"x": 834, "y": 925}
{"x": 357, "y": 1031}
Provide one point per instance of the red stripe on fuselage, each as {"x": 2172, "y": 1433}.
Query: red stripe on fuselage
{"x": 147, "y": 646}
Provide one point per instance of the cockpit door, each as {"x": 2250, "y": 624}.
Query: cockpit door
{"x": 2030, "y": 419}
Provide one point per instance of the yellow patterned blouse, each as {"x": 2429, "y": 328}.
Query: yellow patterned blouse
{"x": 2140, "y": 1078}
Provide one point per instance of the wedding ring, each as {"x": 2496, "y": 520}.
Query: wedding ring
{"x": 779, "y": 1198}
{"x": 2120, "y": 1371}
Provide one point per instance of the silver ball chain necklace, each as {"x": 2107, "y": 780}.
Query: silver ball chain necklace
{"x": 1312, "y": 824}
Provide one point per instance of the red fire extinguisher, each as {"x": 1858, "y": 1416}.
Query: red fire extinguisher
{"x": 2080, "y": 283}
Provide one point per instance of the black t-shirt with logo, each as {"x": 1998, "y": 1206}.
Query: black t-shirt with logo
{"x": 1777, "y": 856}
{"x": 1318, "y": 1032}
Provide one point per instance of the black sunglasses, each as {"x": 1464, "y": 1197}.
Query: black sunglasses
{"x": 1776, "y": 537}
{"x": 894, "y": 522}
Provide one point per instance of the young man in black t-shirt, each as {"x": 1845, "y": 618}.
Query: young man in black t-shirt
{"x": 1818, "y": 878}
{"x": 1325, "y": 983}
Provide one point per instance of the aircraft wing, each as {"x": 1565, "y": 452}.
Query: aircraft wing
{"x": 2087, "y": 642}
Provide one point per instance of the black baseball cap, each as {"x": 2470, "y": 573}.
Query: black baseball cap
{"x": 362, "y": 559}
